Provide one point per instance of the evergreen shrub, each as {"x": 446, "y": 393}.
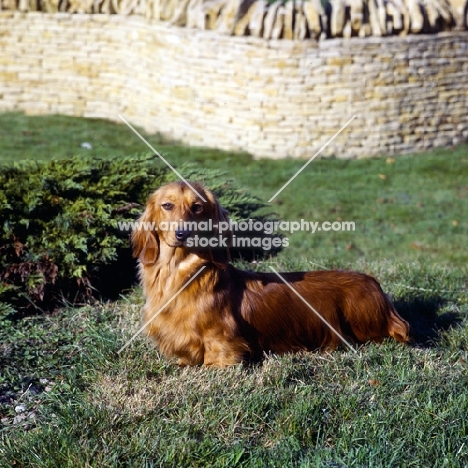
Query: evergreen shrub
{"x": 59, "y": 225}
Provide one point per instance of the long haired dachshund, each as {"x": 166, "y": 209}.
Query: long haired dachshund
{"x": 219, "y": 315}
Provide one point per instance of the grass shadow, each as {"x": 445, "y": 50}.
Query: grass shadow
{"x": 427, "y": 325}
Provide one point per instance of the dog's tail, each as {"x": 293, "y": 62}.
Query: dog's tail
{"x": 398, "y": 328}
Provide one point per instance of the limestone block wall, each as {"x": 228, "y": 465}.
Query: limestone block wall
{"x": 273, "y": 98}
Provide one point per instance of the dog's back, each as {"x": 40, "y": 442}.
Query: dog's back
{"x": 350, "y": 305}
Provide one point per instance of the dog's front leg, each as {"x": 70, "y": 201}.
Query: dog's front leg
{"x": 220, "y": 353}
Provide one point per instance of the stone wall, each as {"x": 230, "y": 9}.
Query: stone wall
{"x": 273, "y": 98}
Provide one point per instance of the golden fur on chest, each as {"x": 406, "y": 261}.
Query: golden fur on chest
{"x": 189, "y": 325}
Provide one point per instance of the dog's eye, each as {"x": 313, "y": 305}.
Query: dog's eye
{"x": 168, "y": 206}
{"x": 197, "y": 208}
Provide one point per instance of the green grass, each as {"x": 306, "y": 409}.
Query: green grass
{"x": 392, "y": 405}
{"x": 411, "y": 207}
{"x": 388, "y": 406}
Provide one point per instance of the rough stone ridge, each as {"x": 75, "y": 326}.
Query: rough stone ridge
{"x": 291, "y": 19}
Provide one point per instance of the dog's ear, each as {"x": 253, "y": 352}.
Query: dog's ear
{"x": 220, "y": 256}
{"x": 145, "y": 240}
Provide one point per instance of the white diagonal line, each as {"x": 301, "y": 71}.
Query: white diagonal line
{"x": 312, "y": 158}
{"x": 161, "y": 158}
{"x": 161, "y": 309}
{"x": 313, "y": 310}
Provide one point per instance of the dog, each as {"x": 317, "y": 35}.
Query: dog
{"x": 202, "y": 310}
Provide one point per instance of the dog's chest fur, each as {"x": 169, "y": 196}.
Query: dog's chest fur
{"x": 175, "y": 311}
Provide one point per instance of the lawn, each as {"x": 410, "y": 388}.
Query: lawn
{"x": 67, "y": 398}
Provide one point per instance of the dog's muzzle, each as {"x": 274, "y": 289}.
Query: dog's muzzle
{"x": 181, "y": 235}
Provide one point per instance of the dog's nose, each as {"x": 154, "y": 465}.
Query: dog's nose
{"x": 181, "y": 235}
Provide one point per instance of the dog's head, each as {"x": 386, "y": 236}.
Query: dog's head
{"x": 181, "y": 216}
